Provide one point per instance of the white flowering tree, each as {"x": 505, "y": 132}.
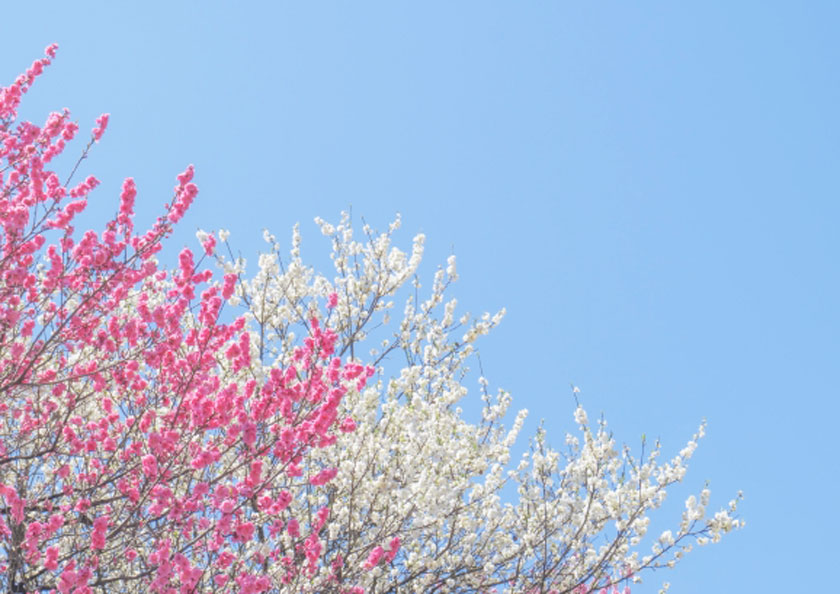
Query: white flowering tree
{"x": 423, "y": 500}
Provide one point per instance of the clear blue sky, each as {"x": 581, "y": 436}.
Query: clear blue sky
{"x": 650, "y": 190}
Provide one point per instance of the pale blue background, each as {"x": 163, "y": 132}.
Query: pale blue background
{"x": 649, "y": 188}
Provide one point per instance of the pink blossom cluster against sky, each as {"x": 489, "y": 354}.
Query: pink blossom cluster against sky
{"x": 91, "y": 319}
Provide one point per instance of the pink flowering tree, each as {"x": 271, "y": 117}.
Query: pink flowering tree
{"x": 139, "y": 448}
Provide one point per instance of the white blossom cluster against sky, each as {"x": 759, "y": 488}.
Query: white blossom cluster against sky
{"x": 648, "y": 189}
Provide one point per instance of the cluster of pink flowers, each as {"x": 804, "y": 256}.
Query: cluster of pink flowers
{"x": 380, "y": 554}
{"x": 153, "y": 455}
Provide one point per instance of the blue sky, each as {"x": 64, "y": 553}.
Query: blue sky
{"x": 649, "y": 189}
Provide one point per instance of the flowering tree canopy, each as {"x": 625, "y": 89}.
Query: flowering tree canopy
{"x": 151, "y": 439}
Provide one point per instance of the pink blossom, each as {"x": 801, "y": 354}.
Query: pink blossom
{"x": 51, "y": 558}
{"x": 150, "y": 467}
{"x": 209, "y": 244}
{"x": 393, "y": 548}
{"x": 127, "y": 196}
{"x": 283, "y": 500}
{"x": 332, "y": 300}
{"x": 244, "y": 532}
{"x": 374, "y": 557}
{"x": 321, "y": 519}
{"x": 348, "y": 425}
{"x": 323, "y": 477}
{"x": 230, "y": 284}
{"x": 101, "y": 124}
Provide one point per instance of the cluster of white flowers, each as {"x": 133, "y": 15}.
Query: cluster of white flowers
{"x": 416, "y": 470}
